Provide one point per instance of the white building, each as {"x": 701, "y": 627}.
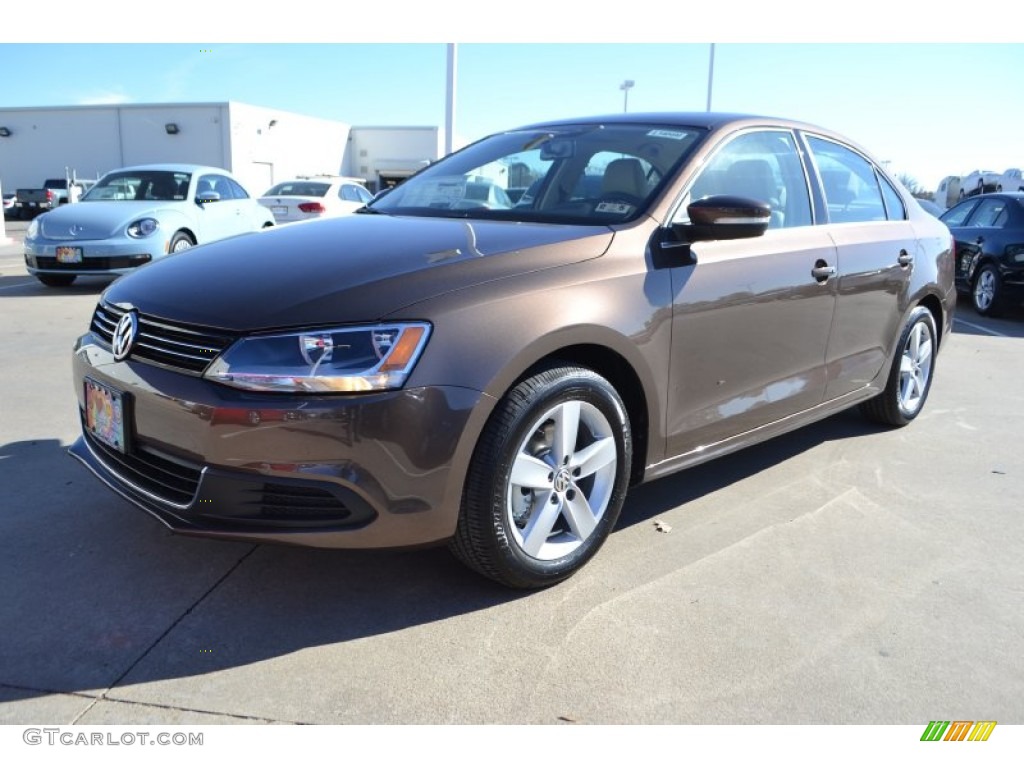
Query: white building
{"x": 259, "y": 145}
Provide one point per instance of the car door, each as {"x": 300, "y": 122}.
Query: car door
{"x": 751, "y": 318}
{"x": 221, "y": 218}
{"x": 250, "y": 214}
{"x": 876, "y": 246}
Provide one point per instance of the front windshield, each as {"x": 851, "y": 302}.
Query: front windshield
{"x": 586, "y": 174}
{"x": 140, "y": 185}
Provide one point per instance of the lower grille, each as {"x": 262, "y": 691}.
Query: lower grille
{"x": 299, "y": 504}
{"x": 168, "y": 478}
{"x": 97, "y": 262}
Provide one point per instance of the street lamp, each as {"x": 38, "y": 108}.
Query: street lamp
{"x": 626, "y": 85}
{"x": 711, "y": 74}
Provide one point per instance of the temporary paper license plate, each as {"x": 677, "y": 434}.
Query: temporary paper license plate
{"x": 105, "y": 414}
{"x": 68, "y": 255}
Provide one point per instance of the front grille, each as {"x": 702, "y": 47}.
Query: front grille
{"x": 184, "y": 347}
{"x": 96, "y": 262}
{"x": 166, "y": 477}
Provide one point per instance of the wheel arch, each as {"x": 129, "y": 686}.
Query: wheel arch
{"x": 610, "y": 365}
{"x": 933, "y": 304}
{"x": 184, "y": 230}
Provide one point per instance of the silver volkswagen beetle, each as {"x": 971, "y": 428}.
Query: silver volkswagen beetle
{"x": 136, "y": 215}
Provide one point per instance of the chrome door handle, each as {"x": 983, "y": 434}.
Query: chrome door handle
{"x": 822, "y": 271}
{"x": 904, "y": 259}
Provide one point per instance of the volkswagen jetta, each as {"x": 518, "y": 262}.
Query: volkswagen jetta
{"x": 450, "y": 367}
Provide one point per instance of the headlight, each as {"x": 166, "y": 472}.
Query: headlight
{"x": 33, "y": 229}
{"x": 362, "y": 359}
{"x": 143, "y": 227}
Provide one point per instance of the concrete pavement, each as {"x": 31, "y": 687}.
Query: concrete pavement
{"x": 841, "y": 574}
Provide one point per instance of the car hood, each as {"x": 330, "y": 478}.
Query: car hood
{"x": 99, "y": 220}
{"x": 354, "y": 269}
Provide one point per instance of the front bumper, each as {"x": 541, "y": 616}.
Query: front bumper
{"x": 99, "y": 257}
{"x": 359, "y": 471}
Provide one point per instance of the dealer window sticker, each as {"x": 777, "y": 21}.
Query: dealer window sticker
{"x": 611, "y": 207}
{"x": 661, "y": 133}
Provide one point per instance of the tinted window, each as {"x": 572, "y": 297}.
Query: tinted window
{"x": 353, "y": 193}
{"x": 956, "y": 216}
{"x": 140, "y": 185}
{"x": 299, "y": 189}
{"x": 764, "y": 166}
{"x": 991, "y": 214}
{"x": 237, "y": 191}
{"x": 222, "y": 185}
{"x": 851, "y": 187}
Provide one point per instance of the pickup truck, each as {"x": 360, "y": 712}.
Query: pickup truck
{"x": 53, "y": 193}
{"x": 1012, "y": 181}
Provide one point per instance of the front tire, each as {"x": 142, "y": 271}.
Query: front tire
{"x": 547, "y": 479}
{"x": 910, "y": 378}
{"x": 180, "y": 242}
{"x": 987, "y": 292}
{"x": 56, "y": 281}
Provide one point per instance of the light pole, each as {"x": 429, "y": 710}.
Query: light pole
{"x": 711, "y": 74}
{"x": 449, "y": 101}
{"x": 626, "y": 85}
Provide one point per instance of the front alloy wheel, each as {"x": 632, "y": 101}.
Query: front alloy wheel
{"x": 547, "y": 480}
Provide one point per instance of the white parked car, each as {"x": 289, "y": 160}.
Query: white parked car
{"x": 313, "y": 197}
{"x": 980, "y": 182}
{"x": 1013, "y": 181}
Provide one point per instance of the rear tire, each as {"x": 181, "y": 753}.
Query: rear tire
{"x": 910, "y": 378}
{"x": 987, "y": 292}
{"x": 547, "y": 479}
{"x": 56, "y": 281}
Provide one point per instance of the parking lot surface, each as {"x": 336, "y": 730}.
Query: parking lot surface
{"x": 841, "y": 574}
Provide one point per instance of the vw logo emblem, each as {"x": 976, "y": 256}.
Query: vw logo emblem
{"x": 124, "y": 335}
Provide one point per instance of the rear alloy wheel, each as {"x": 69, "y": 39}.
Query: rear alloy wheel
{"x": 56, "y": 281}
{"x": 547, "y": 480}
{"x": 910, "y": 377}
{"x": 180, "y": 242}
{"x": 987, "y": 294}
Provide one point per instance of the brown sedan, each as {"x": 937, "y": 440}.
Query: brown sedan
{"x": 447, "y": 366}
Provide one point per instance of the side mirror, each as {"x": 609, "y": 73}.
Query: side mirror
{"x": 725, "y": 217}
{"x": 208, "y": 197}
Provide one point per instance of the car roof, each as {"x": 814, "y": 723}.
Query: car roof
{"x": 180, "y": 167}
{"x": 710, "y": 120}
{"x": 324, "y": 178}
{"x": 1019, "y": 196}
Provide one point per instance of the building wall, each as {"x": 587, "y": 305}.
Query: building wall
{"x": 239, "y": 137}
{"x": 269, "y": 145}
{"x": 378, "y": 153}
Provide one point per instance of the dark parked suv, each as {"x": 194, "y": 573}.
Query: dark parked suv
{"x": 441, "y": 368}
